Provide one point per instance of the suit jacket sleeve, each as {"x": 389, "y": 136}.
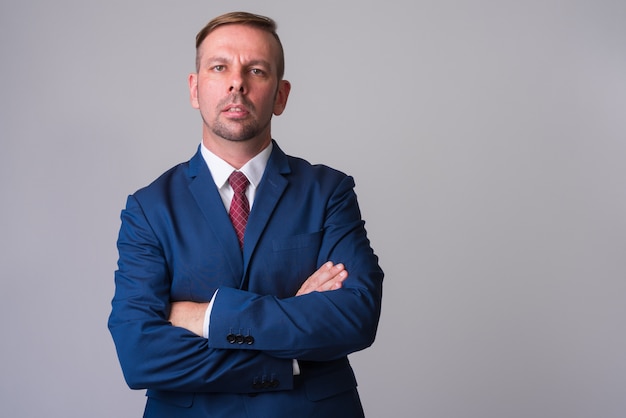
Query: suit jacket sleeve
{"x": 153, "y": 353}
{"x": 320, "y": 326}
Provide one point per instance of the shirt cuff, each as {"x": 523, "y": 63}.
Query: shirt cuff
{"x": 207, "y": 317}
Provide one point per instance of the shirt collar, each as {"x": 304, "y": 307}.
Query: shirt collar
{"x": 221, "y": 170}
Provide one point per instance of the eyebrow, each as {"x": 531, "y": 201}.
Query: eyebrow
{"x": 251, "y": 63}
{"x": 260, "y": 63}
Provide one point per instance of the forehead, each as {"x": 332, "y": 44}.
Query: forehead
{"x": 242, "y": 42}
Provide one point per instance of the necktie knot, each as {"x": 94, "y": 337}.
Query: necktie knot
{"x": 238, "y": 181}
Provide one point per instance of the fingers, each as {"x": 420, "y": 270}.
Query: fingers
{"x": 332, "y": 278}
{"x": 328, "y": 277}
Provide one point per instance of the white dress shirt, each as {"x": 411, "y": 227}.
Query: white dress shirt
{"x": 220, "y": 171}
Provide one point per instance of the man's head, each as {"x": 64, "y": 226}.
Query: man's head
{"x": 243, "y": 18}
{"x": 238, "y": 85}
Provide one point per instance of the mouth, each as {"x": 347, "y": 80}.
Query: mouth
{"x": 235, "y": 111}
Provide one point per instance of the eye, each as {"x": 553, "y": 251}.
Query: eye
{"x": 257, "y": 71}
{"x": 218, "y": 68}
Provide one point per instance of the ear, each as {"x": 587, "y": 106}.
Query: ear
{"x": 284, "y": 87}
{"x": 193, "y": 90}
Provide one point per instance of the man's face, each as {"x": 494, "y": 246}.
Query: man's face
{"x": 236, "y": 88}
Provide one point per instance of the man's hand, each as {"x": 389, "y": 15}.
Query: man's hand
{"x": 188, "y": 315}
{"x": 328, "y": 277}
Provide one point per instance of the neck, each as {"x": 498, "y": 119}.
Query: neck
{"x": 236, "y": 153}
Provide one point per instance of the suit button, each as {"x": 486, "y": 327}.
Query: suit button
{"x": 239, "y": 339}
{"x": 248, "y": 339}
{"x": 275, "y": 383}
{"x": 231, "y": 338}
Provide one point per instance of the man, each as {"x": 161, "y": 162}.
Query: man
{"x": 254, "y": 317}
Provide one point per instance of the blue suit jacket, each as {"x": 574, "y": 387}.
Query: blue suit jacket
{"x": 176, "y": 242}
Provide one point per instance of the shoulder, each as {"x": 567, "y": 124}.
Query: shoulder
{"x": 165, "y": 181}
{"x": 300, "y": 165}
{"x": 319, "y": 179}
{"x": 173, "y": 181}
{"x": 299, "y": 169}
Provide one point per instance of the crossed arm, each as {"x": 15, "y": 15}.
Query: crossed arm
{"x": 190, "y": 315}
{"x": 326, "y": 319}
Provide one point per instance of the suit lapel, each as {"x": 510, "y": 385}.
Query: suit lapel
{"x": 204, "y": 191}
{"x": 271, "y": 188}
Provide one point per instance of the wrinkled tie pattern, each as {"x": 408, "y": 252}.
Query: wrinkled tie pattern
{"x": 239, "y": 206}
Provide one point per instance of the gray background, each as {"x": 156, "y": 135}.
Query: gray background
{"x": 487, "y": 139}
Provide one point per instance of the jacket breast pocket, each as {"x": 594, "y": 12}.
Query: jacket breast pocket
{"x": 298, "y": 242}
{"x": 293, "y": 260}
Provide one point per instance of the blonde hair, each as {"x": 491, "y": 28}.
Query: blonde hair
{"x": 243, "y": 18}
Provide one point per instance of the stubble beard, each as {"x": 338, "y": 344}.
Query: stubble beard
{"x": 239, "y": 130}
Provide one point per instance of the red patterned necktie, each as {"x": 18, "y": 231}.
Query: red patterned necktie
{"x": 239, "y": 206}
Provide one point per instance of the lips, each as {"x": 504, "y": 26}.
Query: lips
{"x": 235, "y": 110}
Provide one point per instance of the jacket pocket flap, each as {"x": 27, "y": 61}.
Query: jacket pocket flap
{"x": 183, "y": 399}
{"x": 327, "y": 385}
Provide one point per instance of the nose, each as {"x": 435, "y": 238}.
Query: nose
{"x": 234, "y": 88}
{"x": 237, "y": 85}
